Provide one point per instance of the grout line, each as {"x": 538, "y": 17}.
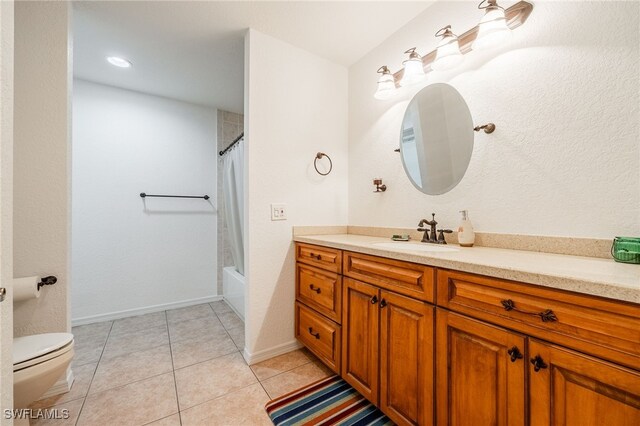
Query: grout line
{"x": 221, "y": 396}
{"x": 94, "y": 374}
{"x": 173, "y": 371}
{"x": 260, "y": 382}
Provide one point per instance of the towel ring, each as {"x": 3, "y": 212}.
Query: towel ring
{"x": 319, "y": 156}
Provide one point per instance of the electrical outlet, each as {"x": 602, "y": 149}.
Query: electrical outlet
{"x": 278, "y": 211}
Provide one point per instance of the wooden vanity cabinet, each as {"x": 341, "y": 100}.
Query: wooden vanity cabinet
{"x": 570, "y": 388}
{"x": 576, "y": 353}
{"x": 318, "y": 307}
{"x": 480, "y": 372}
{"x": 406, "y": 359}
{"x": 493, "y": 351}
{"x": 387, "y": 351}
{"x": 360, "y": 338}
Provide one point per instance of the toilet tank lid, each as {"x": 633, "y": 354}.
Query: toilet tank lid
{"x": 29, "y": 347}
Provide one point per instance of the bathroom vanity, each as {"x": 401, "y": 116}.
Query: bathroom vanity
{"x": 451, "y": 338}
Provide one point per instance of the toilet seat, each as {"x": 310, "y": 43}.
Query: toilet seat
{"x": 36, "y": 349}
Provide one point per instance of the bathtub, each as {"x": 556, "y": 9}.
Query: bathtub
{"x": 233, "y": 289}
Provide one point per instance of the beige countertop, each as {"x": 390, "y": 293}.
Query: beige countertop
{"x": 588, "y": 275}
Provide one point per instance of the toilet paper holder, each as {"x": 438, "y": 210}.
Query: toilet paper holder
{"x": 50, "y": 280}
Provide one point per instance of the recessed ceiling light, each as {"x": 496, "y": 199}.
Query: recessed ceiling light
{"x": 118, "y": 62}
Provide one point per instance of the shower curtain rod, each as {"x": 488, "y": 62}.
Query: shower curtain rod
{"x": 235, "y": 141}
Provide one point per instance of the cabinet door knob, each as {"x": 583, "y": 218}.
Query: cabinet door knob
{"x": 314, "y": 288}
{"x": 515, "y": 354}
{"x": 316, "y": 256}
{"x": 383, "y": 303}
{"x": 538, "y": 363}
{"x": 316, "y": 334}
{"x": 374, "y": 300}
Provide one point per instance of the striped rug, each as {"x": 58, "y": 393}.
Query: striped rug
{"x": 330, "y": 401}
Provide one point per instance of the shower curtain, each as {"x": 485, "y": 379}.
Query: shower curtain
{"x": 233, "y": 189}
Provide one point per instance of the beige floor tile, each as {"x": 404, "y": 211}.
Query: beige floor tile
{"x": 280, "y": 364}
{"x": 210, "y": 379}
{"x": 195, "y": 329}
{"x": 295, "y": 379}
{"x": 135, "y": 341}
{"x": 237, "y": 335}
{"x": 167, "y": 421}
{"x": 140, "y": 322}
{"x": 96, "y": 330}
{"x": 230, "y": 320}
{"x": 83, "y": 375}
{"x": 120, "y": 370}
{"x": 86, "y": 352}
{"x": 70, "y": 409}
{"x": 241, "y": 407}
{"x": 189, "y": 352}
{"x": 134, "y": 404}
{"x": 190, "y": 312}
{"x": 220, "y": 307}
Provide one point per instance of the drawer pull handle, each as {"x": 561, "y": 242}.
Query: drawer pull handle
{"x": 316, "y": 256}
{"x": 515, "y": 354}
{"x": 313, "y": 288}
{"x": 316, "y": 334}
{"x": 538, "y": 363}
{"x": 383, "y": 303}
{"x": 546, "y": 316}
{"x": 374, "y": 300}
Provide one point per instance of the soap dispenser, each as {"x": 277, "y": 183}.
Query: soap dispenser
{"x": 466, "y": 236}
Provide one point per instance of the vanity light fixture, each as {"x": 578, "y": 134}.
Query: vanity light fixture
{"x": 413, "y": 69}
{"x": 386, "y": 84}
{"x": 492, "y": 30}
{"x": 119, "y": 62}
{"x": 495, "y": 27}
{"x": 448, "y": 54}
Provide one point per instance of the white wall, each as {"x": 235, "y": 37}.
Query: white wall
{"x": 129, "y": 253}
{"x": 565, "y": 158}
{"x": 42, "y": 133}
{"x": 6, "y": 203}
{"x": 295, "y": 106}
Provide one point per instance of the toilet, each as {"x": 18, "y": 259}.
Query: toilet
{"x": 38, "y": 362}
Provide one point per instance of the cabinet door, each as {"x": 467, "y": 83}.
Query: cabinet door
{"x": 568, "y": 388}
{"x": 406, "y": 359}
{"x": 480, "y": 374}
{"x": 360, "y": 337}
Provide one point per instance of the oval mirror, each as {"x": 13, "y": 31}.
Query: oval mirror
{"x": 436, "y": 139}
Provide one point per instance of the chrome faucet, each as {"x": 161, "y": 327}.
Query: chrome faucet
{"x": 430, "y": 234}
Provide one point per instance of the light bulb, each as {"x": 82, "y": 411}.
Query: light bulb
{"x": 448, "y": 54}
{"x": 119, "y": 62}
{"x": 492, "y": 30}
{"x": 413, "y": 69}
{"x": 386, "y": 84}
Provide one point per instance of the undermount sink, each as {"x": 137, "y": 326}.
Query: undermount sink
{"x": 426, "y": 247}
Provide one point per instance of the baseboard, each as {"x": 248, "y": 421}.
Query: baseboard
{"x": 233, "y": 308}
{"x": 63, "y": 385}
{"x": 265, "y": 354}
{"x": 140, "y": 311}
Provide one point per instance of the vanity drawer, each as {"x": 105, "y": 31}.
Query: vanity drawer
{"x": 410, "y": 279}
{"x": 320, "y": 335}
{"x": 605, "y": 328}
{"x": 320, "y": 290}
{"x": 321, "y": 257}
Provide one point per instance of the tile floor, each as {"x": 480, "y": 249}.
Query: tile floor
{"x": 178, "y": 367}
